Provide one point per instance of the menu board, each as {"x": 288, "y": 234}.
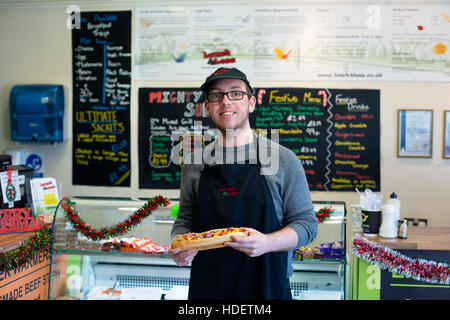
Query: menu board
{"x": 334, "y": 132}
{"x": 331, "y": 40}
{"x": 101, "y": 61}
{"x": 172, "y": 121}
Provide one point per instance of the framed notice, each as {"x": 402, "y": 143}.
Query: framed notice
{"x": 446, "y": 153}
{"x": 415, "y": 129}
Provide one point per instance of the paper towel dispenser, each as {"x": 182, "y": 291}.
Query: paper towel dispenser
{"x": 36, "y": 113}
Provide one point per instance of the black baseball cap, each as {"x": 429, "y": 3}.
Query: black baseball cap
{"x": 225, "y": 73}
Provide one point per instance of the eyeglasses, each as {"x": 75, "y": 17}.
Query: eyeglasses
{"x": 232, "y": 95}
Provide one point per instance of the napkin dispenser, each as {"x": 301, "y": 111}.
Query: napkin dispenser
{"x": 36, "y": 113}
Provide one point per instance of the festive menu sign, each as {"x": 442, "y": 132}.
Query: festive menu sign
{"x": 101, "y": 99}
{"x": 334, "y": 132}
{"x": 171, "y": 120}
{"x": 294, "y": 42}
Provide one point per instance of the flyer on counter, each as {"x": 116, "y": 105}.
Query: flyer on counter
{"x": 45, "y": 195}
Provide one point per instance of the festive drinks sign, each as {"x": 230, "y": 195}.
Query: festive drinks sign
{"x": 19, "y": 220}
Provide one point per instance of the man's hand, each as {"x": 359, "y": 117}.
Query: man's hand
{"x": 258, "y": 243}
{"x": 182, "y": 258}
{"x": 254, "y": 245}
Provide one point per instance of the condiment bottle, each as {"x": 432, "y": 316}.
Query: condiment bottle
{"x": 388, "y": 227}
{"x": 402, "y": 228}
{"x": 395, "y": 202}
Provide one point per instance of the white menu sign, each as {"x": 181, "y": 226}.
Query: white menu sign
{"x": 294, "y": 42}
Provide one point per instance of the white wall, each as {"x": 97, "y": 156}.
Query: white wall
{"x": 36, "y": 48}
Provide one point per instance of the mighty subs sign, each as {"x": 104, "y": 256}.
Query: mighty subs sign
{"x": 169, "y": 119}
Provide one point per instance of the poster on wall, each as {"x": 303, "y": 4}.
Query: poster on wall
{"x": 334, "y": 132}
{"x": 295, "y": 42}
{"x": 101, "y": 62}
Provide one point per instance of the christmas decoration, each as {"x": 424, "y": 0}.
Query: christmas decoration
{"x": 324, "y": 213}
{"x": 16, "y": 258}
{"x": 393, "y": 261}
{"x": 108, "y": 232}
{"x": 19, "y": 220}
{"x": 10, "y": 191}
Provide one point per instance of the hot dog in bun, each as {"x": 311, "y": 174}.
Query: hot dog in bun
{"x": 207, "y": 240}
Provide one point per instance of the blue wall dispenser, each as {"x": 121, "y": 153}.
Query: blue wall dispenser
{"x": 36, "y": 113}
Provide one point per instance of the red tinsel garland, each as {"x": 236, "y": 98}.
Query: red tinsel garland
{"x": 324, "y": 213}
{"x": 393, "y": 261}
{"x": 108, "y": 232}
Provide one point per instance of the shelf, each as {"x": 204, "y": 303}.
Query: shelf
{"x": 319, "y": 265}
{"x": 110, "y": 253}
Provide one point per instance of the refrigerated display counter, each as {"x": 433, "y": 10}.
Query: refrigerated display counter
{"x": 82, "y": 268}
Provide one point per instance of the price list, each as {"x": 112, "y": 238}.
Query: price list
{"x": 334, "y": 132}
{"x": 101, "y": 61}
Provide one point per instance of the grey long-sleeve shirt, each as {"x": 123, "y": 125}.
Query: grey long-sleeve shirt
{"x": 283, "y": 172}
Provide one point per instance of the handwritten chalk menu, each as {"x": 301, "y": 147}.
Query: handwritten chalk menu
{"x": 101, "y": 57}
{"x": 172, "y": 121}
{"x": 334, "y": 132}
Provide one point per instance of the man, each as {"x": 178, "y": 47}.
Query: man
{"x": 275, "y": 207}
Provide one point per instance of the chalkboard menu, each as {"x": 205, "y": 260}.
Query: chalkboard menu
{"x": 334, "y": 132}
{"x": 171, "y": 121}
{"x": 101, "y": 57}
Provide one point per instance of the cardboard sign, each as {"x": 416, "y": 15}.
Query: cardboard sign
{"x": 19, "y": 220}
{"x": 28, "y": 282}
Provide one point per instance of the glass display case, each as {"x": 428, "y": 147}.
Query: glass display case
{"x": 135, "y": 264}
{"x": 320, "y": 269}
{"x": 83, "y": 268}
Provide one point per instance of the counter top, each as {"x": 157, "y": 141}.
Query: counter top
{"x": 10, "y": 241}
{"x": 419, "y": 238}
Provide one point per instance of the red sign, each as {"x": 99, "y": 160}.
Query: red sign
{"x": 19, "y": 220}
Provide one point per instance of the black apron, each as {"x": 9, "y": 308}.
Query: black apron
{"x": 237, "y": 195}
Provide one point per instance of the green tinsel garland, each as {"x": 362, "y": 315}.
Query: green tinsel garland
{"x": 16, "y": 258}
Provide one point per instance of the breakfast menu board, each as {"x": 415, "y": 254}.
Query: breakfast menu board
{"x": 334, "y": 132}
{"x": 101, "y": 61}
